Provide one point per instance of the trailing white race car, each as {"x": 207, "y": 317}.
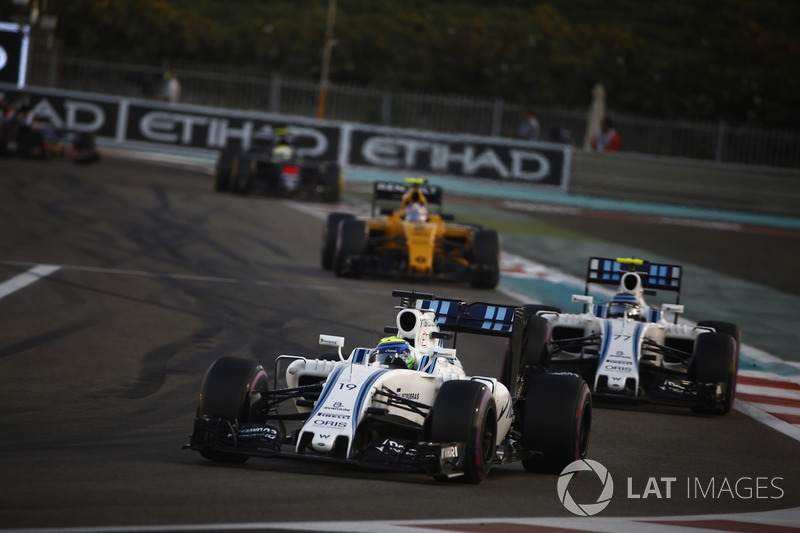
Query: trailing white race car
{"x": 626, "y": 349}
{"x": 406, "y": 404}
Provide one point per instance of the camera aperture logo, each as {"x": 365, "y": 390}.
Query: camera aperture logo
{"x": 585, "y": 509}
{"x": 697, "y": 488}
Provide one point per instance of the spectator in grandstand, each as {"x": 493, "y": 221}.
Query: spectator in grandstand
{"x": 529, "y": 129}
{"x": 607, "y": 139}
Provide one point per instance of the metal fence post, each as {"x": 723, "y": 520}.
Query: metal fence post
{"x": 275, "y": 93}
{"x": 497, "y": 117}
{"x": 386, "y": 108}
{"x": 720, "y": 141}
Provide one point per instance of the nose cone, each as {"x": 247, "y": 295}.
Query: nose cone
{"x": 322, "y": 443}
{"x": 616, "y": 385}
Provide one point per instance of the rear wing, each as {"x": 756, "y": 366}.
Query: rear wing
{"x": 607, "y": 271}
{"x": 460, "y": 317}
{"x": 388, "y": 190}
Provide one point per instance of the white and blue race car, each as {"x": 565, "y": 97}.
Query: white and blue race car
{"x": 628, "y": 350}
{"x": 404, "y": 405}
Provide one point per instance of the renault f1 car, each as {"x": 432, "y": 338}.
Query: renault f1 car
{"x": 273, "y": 167}
{"x": 410, "y": 241}
{"x": 628, "y": 350}
{"x": 407, "y": 405}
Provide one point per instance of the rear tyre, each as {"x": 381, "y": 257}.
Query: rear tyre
{"x": 715, "y": 362}
{"x": 485, "y": 259}
{"x": 526, "y": 351}
{"x": 557, "y": 420}
{"x": 464, "y": 411}
{"x": 229, "y": 391}
{"x": 350, "y": 243}
{"x": 330, "y": 232}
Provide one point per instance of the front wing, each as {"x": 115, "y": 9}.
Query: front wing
{"x": 263, "y": 440}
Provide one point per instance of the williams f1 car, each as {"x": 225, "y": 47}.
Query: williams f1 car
{"x": 405, "y": 405}
{"x": 273, "y": 166}
{"x": 628, "y": 350}
{"x": 410, "y": 241}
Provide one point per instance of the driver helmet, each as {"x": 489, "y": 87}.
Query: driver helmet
{"x": 416, "y": 213}
{"x": 282, "y": 135}
{"x": 393, "y": 351}
{"x": 623, "y": 303}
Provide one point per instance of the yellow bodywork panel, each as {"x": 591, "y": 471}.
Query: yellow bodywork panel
{"x": 423, "y": 240}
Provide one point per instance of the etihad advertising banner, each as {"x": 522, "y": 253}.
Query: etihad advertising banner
{"x": 13, "y": 53}
{"x": 352, "y": 145}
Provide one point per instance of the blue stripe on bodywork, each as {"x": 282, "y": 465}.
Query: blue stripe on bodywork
{"x": 362, "y": 397}
{"x": 606, "y": 342}
{"x": 637, "y": 336}
{"x": 332, "y": 378}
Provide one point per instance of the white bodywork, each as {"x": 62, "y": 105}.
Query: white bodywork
{"x": 353, "y": 384}
{"x": 621, "y": 345}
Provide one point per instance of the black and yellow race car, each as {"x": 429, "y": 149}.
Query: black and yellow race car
{"x": 410, "y": 240}
{"x": 273, "y": 167}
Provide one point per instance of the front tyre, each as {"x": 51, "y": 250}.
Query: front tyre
{"x": 226, "y": 169}
{"x": 464, "y": 411}
{"x": 715, "y": 360}
{"x": 331, "y": 177}
{"x": 230, "y": 390}
{"x": 557, "y": 419}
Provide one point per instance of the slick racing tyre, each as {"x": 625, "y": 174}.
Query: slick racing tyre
{"x": 330, "y": 232}
{"x": 230, "y": 390}
{"x": 734, "y": 331}
{"x": 485, "y": 259}
{"x": 526, "y": 351}
{"x": 226, "y": 169}
{"x": 331, "y": 181}
{"x": 464, "y": 411}
{"x": 350, "y": 243}
{"x": 714, "y": 361}
{"x": 242, "y": 181}
{"x": 557, "y": 419}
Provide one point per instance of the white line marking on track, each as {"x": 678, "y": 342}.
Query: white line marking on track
{"x": 188, "y": 277}
{"x": 23, "y": 280}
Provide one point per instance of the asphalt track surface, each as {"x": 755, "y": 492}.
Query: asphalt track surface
{"x": 102, "y": 359}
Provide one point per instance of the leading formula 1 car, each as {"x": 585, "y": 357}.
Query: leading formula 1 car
{"x": 629, "y": 350}
{"x": 406, "y": 405}
{"x": 410, "y": 241}
{"x": 274, "y": 167}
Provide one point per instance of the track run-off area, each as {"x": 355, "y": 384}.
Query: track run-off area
{"x": 120, "y": 283}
